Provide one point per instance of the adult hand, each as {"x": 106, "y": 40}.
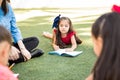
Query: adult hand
{"x": 26, "y": 54}
{"x": 14, "y": 53}
{"x": 24, "y": 51}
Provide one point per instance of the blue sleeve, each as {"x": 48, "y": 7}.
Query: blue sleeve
{"x": 15, "y": 31}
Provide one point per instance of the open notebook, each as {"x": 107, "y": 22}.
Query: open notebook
{"x": 62, "y": 52}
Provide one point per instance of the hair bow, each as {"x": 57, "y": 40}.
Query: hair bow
{"x": 116, "y": 8}
{"x": 56, "y": 20}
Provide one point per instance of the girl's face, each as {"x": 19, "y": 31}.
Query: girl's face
{"x": 97, "y": 44}
{"x": 64, "y": 26}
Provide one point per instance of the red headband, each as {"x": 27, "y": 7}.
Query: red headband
{"x": 116, "y": 8}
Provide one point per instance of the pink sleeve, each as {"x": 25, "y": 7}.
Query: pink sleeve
{"x": 6, "y": 74}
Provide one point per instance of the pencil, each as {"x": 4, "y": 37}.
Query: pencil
{"x": 11, "y": 65}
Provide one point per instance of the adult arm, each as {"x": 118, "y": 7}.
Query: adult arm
{"x": 16, "y": 34}
{"x": 15, "y": 31}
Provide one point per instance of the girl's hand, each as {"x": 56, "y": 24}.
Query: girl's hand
{"x": 68, "y": 49}
{"x": 55, "y": 47}
{"x": 26, "y": 54}
{"x": 14, "y": 53}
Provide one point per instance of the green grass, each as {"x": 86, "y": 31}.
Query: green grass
{"x": 53, "y": 67}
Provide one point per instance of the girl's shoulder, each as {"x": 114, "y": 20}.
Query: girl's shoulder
{"x": 71, "y": 33}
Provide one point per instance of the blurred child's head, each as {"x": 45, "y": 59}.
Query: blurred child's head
{"x": 5, "y": 44}
{"x": 106, "y": 39}
{"x": 106, "y": 30}
{"x": 65, "y": 25}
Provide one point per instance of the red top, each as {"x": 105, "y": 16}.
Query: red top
{"x": 6, "y": 74}
{"x": 67, "y": 39}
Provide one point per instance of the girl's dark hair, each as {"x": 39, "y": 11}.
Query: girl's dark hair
{"x": 107, "y": 66}
{"x": 58, "y": 33}
{"x": 8, "y": 1}
{"x": 4, "y": 6}
{"x": 5, "y": 35}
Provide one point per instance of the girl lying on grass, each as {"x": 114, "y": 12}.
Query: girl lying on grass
{"x": 63, "y": 34}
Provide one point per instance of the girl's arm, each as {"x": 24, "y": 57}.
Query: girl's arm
{"x": 74, "y": 44}
{"x": 55, "y": 47}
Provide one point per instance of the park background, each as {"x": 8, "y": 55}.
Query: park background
{"x": 35, "y": 16}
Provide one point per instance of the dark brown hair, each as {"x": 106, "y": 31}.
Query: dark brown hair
{"x": 5, "y": 35}
{"x": 4, "y": 6}
{"x": 58, "y": 33}
{"x": 8, "y": 1}
{"x": 107, "y": 66}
